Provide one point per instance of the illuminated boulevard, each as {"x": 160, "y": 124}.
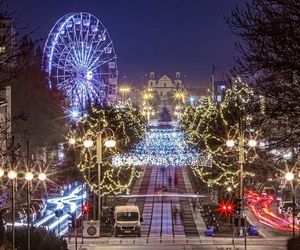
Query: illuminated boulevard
{"x": 163, "y": 189}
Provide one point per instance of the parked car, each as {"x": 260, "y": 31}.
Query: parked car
{"x": 252, "y": 231}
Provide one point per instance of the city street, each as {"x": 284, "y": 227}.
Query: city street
{"x": 276, "y": 243}
{"x": 154, "y": 124}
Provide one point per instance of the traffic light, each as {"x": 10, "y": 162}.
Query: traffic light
{"x": 226, "y": 207}
{"x": 71, "y": 219}
{"x": 238, "y": 204}
{"x": 86, "y": 209}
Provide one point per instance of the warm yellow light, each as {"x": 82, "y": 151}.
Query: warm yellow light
{"x": 1, "y": 172}
{"x": 88, "y": 143}
{"x": 124, "y": 89}
{"x": 12, "y": 174}
{"x": 289, "y": 176}
{"x": 110, "y": 143}
{"x": 72, "y": 140}
{"x": 229, "y": 189}
{"x": 28, "y": 176}
{"x": 252, "y": 143}
{"x": 42, "y": 177}
{"x": 230, "y": 143}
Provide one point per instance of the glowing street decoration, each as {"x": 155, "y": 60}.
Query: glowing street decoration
{"x": 160, "y": 147}
{"x": 60, "y": 202}
{"x": 80, "y": 60}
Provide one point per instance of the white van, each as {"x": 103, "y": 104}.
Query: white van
{"x": 127, "y": 220}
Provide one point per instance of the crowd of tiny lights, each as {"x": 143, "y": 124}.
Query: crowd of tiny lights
{"x": 161, "y": 147}
{"x": 240, "y": 95}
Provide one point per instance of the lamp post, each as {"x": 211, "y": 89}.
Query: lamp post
{"x": 109, "y": 142}
{"x": 289, "y": 176}
{"x": 124, "y": 91}
{"x": 12, "y": 175}
{"x": 252, "y": 143}
{"x": 148, "y": 111}
{"x": 29, "y": 177}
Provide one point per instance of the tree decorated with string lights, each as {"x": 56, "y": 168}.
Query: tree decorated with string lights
{"x": 128, "y": 126}
{"x": 207, "y": 128}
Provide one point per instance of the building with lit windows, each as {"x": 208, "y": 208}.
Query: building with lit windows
{"x": 218, "y": 91}
{"x": 164, "y": 86}
{"x": 7, "y": 35}
{"x": 5, "y": 118}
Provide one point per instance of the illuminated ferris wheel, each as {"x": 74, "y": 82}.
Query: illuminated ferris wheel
{"x": 80, "y": 61}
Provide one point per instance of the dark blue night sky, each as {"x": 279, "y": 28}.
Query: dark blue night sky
{"x": 149, "y": 35}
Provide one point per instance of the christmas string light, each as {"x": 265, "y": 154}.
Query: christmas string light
{"x": 160, "y": 147}
{"x": 206, "y": 127}
{"x": 128, "y": 125}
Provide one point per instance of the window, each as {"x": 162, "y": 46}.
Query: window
{"x": 219, "y": 98}
{"x": 127, "y": 216}
{"x": 165, "y": 84}
{"x": 161, "y": 93}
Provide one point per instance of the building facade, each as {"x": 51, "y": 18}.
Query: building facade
{"x": 5, "y": 118}
{"x": 7, "y": 40}
{"x": 218, "y": 91}
{"x": 164, "y": 87}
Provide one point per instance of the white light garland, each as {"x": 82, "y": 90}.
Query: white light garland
{"x": 161, "y": 147}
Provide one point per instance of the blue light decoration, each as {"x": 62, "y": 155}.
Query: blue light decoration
{"x": 75, "y": 114}
{"x": 161, "y": 147}
{"x": 80, "y": 61}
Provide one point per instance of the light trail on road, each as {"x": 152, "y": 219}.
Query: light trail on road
{"x": 260, "y": 206}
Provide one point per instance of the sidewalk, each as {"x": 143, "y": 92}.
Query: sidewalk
{"x": 201, "y": 227}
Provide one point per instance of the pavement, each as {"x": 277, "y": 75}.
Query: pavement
{"x": 145, "y": 243}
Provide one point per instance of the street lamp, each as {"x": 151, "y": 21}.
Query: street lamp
{"x": 42, "y": 176}
{"x": 289, "y": 176}
{"x": 230, "y": 143}
{"x": 72, "y": 141}
{"x": 29, "y": 177}
{"x": 147, "y": 111}
{"x": 110, "y": 142}
{"x": 252, "y": 143}
{"x": 124, "y": 91}
{"x": 12, "y": 175}
{"x": 88, "y": 143}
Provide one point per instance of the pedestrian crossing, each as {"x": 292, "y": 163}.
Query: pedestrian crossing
{"x": 164, "y": 216}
